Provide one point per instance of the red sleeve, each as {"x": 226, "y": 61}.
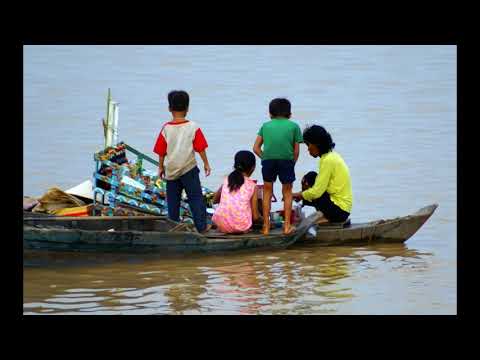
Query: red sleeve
{"x": 161, "y": 145}
{"x": 199, "y": 142}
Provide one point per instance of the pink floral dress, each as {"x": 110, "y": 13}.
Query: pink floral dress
{"x": 234, "y": 213}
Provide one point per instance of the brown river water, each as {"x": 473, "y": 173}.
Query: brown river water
{"x": 391, "y": 111}
{"x": 301, "y": 280}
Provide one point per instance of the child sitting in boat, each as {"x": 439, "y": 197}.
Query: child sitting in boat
{"x": 331, "y": 192}
{"x": 308, "y": 180}
{"x": 237, "y": 197}
{"x": 176, "y": 145}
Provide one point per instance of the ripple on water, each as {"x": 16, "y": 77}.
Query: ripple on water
{"x": 141, "y": 300}
{"x": 78, "y": 295}
{"x": 84, "y": 290}
{"x": 57, "y": 306}
{"x": 77, "y": 300}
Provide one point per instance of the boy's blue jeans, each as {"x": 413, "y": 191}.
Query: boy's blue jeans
{"x": 189, "y": 181}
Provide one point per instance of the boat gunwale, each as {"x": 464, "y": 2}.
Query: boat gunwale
{"x": 355, "y": 226}
{"x": 394, "y": 230}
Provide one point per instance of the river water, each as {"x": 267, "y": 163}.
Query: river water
{"x": 391, "y": 111}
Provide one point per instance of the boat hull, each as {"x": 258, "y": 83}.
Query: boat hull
{"x": 133, "y": 235}
{"x": 396, "y": 230}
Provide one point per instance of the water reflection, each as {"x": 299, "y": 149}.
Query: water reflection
{"x": 301, "y": 280}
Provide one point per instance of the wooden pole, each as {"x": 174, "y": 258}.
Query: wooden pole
{"x": 108, "y": 137}
{"x": 115, "y": 123}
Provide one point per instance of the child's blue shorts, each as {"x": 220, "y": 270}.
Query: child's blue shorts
{"x": 284, "y": 169}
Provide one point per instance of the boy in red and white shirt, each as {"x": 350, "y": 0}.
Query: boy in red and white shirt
{"x": 176, "y": 145}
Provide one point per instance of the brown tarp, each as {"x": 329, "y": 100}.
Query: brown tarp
{"x": 55, "y": 199}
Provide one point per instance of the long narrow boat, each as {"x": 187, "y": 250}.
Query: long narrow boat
{"x": 149, "y": 234}
{"x": 397, "y": 230}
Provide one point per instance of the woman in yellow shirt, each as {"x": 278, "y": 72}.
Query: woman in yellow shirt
{"x": 332, "y": 191}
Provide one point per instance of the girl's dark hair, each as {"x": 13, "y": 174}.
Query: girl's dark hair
{"x": 280, "y": 107}
{"x": 178, "y": 100}
{"x": 244, "y": 162}
{"x": 317, "y": 135}
{"x": 310, "y": 177}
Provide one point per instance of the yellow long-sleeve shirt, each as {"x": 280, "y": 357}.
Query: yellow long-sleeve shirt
{"x": 334, "y": 178}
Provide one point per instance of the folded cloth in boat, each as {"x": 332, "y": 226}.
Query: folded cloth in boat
{"x": 55, "y": 199}
{"x": 74, "y": 211}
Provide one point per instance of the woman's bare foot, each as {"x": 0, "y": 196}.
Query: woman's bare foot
{"x": 287, "y": 230}
{"x": 322, "y": 220}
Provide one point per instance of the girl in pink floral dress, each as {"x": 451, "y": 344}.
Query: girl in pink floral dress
{"x": 237, "y": 197}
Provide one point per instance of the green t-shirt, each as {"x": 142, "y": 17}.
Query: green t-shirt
{"x": 279, "y": 136}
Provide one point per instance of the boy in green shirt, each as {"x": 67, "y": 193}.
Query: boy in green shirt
{"x": 280, "y": 138}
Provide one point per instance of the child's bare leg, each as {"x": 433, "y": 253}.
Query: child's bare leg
{"x": 287, "y": 207}
{"x": 267, "y": 199}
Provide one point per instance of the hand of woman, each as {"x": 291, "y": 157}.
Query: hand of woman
{"x": 297, "y": 196}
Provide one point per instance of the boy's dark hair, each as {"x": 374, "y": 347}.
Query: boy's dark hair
{"x": 178, "y": 100}
{"x": 244, "y": 162}
{"x": 280, "y": 107}
{"x": 317, "y": 135}
{"x": 310, "y": 177}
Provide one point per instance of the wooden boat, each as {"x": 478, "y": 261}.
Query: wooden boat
{"x": 143, "y": 235}
{"x": 397, "y": 230}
